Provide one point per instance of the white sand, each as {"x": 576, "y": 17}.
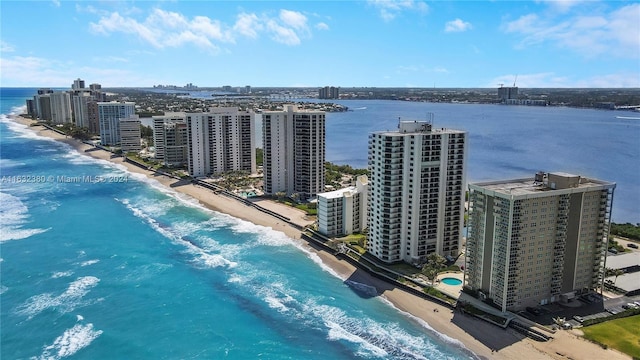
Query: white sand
{"x": 485, "y": 340}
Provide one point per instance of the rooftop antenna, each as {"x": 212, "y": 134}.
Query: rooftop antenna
{"x": 500, "y": 85}
{"x": 514, "y": 81}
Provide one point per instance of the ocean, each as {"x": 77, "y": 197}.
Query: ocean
{"x": 132, "y": 270}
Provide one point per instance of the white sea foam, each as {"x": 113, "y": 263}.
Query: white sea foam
{"x": 71, "y": 341}
{"x": 8, "y": 163}
{"x": 89, "y": 262}
{"x": 13, "y": 215}
{"x": 201, "y": 255}
{"x": 60, "y": 274}
{"x": 3, "y": 289}
{"x": 65, "y": 302}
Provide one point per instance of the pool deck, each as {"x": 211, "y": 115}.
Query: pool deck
{"x": 451, "y": 290}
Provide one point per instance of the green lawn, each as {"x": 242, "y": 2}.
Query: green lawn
{"x": 621, "y": 334}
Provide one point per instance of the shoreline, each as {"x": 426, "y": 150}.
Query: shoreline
{"x": 486, "y": 341}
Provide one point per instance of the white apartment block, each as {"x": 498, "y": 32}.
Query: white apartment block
{"x": 221, "y": 140}
{"x": 537, "y": 240}
{"x": 130, "y": 134}
{"x": 109, "y": 115}
{"x": 344, "y": 211}
{"x": 60, "y": 107}
{"x": 294, "y": 151}
{"x": 170, "y": 138}
{"x": 80, "y": 99}
{"x": 416, "y": 192}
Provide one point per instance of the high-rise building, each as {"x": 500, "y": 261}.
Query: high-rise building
{"x": 94, "y": 117}
{"x": 170, "y": 138}
{"x": 80, "y": 99}
{"x": 221, "y": 140}
{"x": 77, "y": 84}
{"x": 109, "y": 115}
{"x": 416, "y": 192}
{"x": 344, "y": 211}
{"x": 537, "y": 240}
{"x": 294, "y": 151}
{"x": 329, "y": 92}
{"x": 130, "y": 134}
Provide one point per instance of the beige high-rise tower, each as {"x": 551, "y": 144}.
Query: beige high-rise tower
{"x": 537, "y": 240}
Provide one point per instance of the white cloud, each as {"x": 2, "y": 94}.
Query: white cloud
{"x": 248, "y": 25}
{"x": 163, "y": 29}
{"x": 551, "y": 80}
{"x": 389, "y": 9}
{"x": 56, "y": 3}
{"x": 614, "y": 33}
{"x": 457, "y": 25}
{"x": 293, "y": 19}
{"x": 282, "y": 34}
{"x": 322, "y": 26}
{"x": 563, "y": 5}
{"x": 32, "y": 71}
{"x": 6, "y": 47}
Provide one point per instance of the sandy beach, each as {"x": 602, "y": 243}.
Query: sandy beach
{"x": 486, "y": 341}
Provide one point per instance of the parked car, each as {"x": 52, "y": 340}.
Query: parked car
{"x": 632, "y": 245}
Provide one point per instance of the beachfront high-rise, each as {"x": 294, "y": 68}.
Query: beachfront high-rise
{"x": 130, "y": 134}
{"x": 221, "y": 140}
{"x": 294, "y": 151}
{"x": 537, "y": 240}
{"x": 344, "y": 211}
{"x": 416, "y": 192}
{"x": 109, "y": 115}
{"x": 170, "y": 138}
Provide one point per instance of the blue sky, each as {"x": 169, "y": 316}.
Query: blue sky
{"x": 377, "y": 43}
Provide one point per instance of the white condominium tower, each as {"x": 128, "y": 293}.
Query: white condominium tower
{"x": 416, "y": 192}
{"x": 294, "y": 151}
{"x": 344, "y": 211}
{"x": 109, "y": 115}
{"x": 170, "y": 138}
{"x": 221, "y": 140}
{"x": 537, "y": 240}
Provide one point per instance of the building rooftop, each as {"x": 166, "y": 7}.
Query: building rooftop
{"x": 338, "y": 193}
{"x": 543, "y": 183}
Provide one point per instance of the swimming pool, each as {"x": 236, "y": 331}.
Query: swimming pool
{"x": 451, "y": 281}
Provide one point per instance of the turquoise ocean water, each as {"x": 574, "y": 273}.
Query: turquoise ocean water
{"x": 131, "y": 270}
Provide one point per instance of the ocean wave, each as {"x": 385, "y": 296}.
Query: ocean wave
{"x": 13, "y": 215}
{"x": 64, "y": 303}
{"x": 23, "y": 131}
{"x": 89, "y": 262}
{"x": 372, "y": 339}
{"x": 70, "y": 342}
{"x": 3, "y": 289}
{"x": 60, "y": 274}
{"x": 202, "y": 257}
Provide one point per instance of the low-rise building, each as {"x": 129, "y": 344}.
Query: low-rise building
{"x": 344, "y": 211}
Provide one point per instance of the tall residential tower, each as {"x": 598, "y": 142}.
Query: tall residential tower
{"x": 221, "y": 140}
{"x": 416, "y": 192}
{"x": 537, "y": 240}
{"x": 294, "y": 151}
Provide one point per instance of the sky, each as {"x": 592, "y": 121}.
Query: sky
{"x": 365, "y": 43}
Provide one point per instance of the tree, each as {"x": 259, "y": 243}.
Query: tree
{"x": 616, "y": 273}
{"x": 432, "y": 267}
{"x": 280, "y": 195}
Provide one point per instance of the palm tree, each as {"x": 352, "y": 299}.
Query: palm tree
{"x": 616, "y": 273}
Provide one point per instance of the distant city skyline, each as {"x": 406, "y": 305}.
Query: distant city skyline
{"x": 374, "y": 43}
